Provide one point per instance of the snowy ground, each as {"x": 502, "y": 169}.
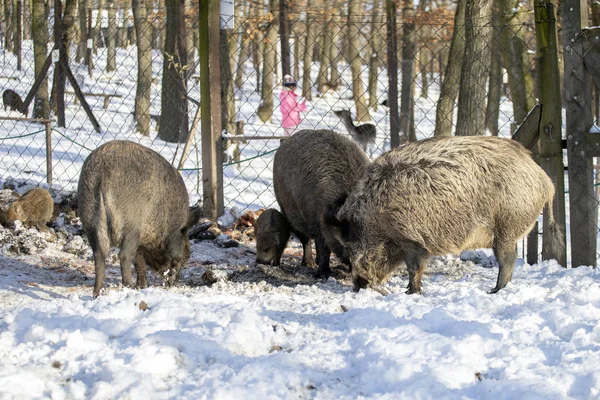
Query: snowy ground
{"x": 263, "y": 332}
{"x": 271, "y": 333}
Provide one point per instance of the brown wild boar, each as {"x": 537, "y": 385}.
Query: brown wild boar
{"x": 311, "y": 170}
{"x": 272, "y": 232}
{"x": 13, "y": 101}
{"x": 441, "y": 196}
{"x": 130, "y": 196}
{"x": 35, "y": 208}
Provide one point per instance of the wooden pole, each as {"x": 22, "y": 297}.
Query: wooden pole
{"x": 210, "y": 120}
{"x": 578, "y": 98}
{"x": 38, "y": 81}
{"x": 79, "y": 94}
{"x": 48, "y": 153}
{"x": 392, "y": 60}
{"x": 550, "y": 132}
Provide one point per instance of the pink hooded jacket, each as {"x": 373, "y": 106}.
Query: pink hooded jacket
{"x": 290, "y": 109}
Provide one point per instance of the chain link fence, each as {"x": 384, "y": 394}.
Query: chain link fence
{"x": 141, "y": 88}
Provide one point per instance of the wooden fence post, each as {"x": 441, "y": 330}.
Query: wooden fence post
{"x": 578, "y": 98}
{"x": 210, "y": 120}
{"x": 550, "y": 132}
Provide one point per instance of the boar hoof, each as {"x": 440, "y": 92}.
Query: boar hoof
{"x": 412, "y": 290}
{"x": 359, "y": 283}
{"x": 322, "y": 273}
{"x": 494, "y": 290}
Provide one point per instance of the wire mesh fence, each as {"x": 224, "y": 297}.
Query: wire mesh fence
{"x": 140, "y": 79}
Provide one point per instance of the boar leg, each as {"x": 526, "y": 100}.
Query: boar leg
{"x": 307, "y": 257}
{"x": 127, "y": 253}
{"x": 415, "y": 263}
{"x": 99, "y": 262}
{"x": 506, "y": 255}
{"x": 323, "y": 254}
{"x": 140, "y": 269}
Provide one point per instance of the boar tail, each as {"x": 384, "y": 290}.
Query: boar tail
{"x": 102, "y": 225}
{"x": 555, "y": 243}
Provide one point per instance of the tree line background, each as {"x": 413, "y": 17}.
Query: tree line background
{"x": 475, "y": 52}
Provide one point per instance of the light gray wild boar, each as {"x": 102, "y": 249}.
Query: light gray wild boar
{"x": 311, "y": 170}
{"x": 131, "y": 197}
{"x": 35, "y": 207}
{"x": 272, "y": 232}
{"x": 442, "y": 196}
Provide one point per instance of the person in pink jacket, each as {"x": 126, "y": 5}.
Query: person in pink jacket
{"x": 289, "y": 106}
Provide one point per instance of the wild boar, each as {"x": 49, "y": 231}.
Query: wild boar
{"x": 311, "y": 170}
{"x": 272, "y": 232}
{"x": 35, "y": 207}
{"x": 12, "y": 100}
{"x": 442, "y": 196}
{"x": 131, "y": 197}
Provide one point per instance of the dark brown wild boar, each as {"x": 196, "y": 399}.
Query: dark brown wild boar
{"x": 272, "y": 232}
{"x": 12, "y": 100}
{"x": 130, "y": 196}
{"x": 311, "y": 170}
{"x": 442, "y": 196}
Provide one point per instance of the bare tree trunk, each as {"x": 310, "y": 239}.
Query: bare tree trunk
{"x": 174, "y": 108}
{"x": 284, "y": 36}
{"x": 83, "y": 33}
{"x": 326, "y": 41}
{"x": 18, "y": 32}
{"x": 520, "y": 81}
{"x": 229, "y": 50}
{"x": 298, "y": 48}
{"x": 309, "y": 43}
{"x": 244, "y": 44}
{"x": 392, "y": 66}
{"x": 162, "y": 31}
{"x": 451, "y": 82}
{"x": 335, "y": 55}
{"x": 409, "y": 51}
{"x": 495, "y": 82}
{"x": 41, "y": 107}
{"x": 227, "y": 93}
{"x": 257, "y": 46}
{"x": 69, "y": 18}
{"x": 111, "y": 51}
{"x": 144, "y": 73}
{"x": 189, "y": 37}
{"x": 376, "y": 42}
{"x": 9, "y": 25}
{"x": 356, "y": 61}
{"x": 471, "y": 102}
{"x": 97, "y": 32}
{"x": 265, "y": 110}
{"x": 27, "y": 20}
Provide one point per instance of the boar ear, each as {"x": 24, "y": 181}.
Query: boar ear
{"x": 193, "y": 217}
